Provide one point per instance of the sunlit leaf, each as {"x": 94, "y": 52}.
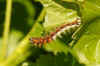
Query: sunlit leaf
{"x": 56, "y": 14}
{"x": 87, "y": 47}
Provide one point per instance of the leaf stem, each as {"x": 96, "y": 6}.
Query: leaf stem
{"x": 24, "y": 49}
{"x": 6, "y": 29}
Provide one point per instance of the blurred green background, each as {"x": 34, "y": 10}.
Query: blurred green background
{"x": 26, "y": 17}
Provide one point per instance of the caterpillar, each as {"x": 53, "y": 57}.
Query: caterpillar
{"x": 65, "y": 27}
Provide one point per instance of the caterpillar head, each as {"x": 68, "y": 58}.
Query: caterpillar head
{"x": 34, "y": 40}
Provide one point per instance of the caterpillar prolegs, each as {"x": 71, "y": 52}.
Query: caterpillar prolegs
{"x": 53, "y": 35}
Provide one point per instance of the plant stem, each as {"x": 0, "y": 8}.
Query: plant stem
{"x": 6, "y": 29}
{"x": 24, "y": 49}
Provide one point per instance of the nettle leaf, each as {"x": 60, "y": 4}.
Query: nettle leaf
{"x": 37, "y": 30}
{"x": 58, "y": 60}
{"x": 89, "y": 12}
{"x": 56, "y": 46}
{"x": 87, "y": 47}
{"x": 56, "y": 15}
{"x": 90, "y": 9}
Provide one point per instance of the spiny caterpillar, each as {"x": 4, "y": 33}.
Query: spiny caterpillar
{"x": 65, "y": 27}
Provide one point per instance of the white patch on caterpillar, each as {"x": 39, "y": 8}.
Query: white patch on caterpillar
{"x": 67, "y": 28}
{"x": 54, "y": 37}
{"x": 74, "y": 26}
{"x": 79, "y": 20}
{"x": 57, "y": 34}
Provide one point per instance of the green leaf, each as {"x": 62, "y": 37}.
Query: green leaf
{"x": 58, "y": 60}
{"x": 90, "y": 10}
{"x": 87, "y": 48}
{"x": 56, "y": 46}
{"x": 56, "y": 15}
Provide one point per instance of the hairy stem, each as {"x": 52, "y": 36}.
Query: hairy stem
{"x": 6, "y": 29}
{"x": 24, "y": 49}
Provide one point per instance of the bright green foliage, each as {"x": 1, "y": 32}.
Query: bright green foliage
{"x": 87, "y": 48}
{"x": 37, "y": 18}
{"x": 57, "y": 46}
{"x": 58, "y": 60}
{"x": 20, "y": 23}
{"x": 55, "y": 10}
{"x": 56, "y": 15}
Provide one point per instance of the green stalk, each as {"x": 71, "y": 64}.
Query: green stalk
{"x": 24, "y": 49}
{"x": 6, "y": 29}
